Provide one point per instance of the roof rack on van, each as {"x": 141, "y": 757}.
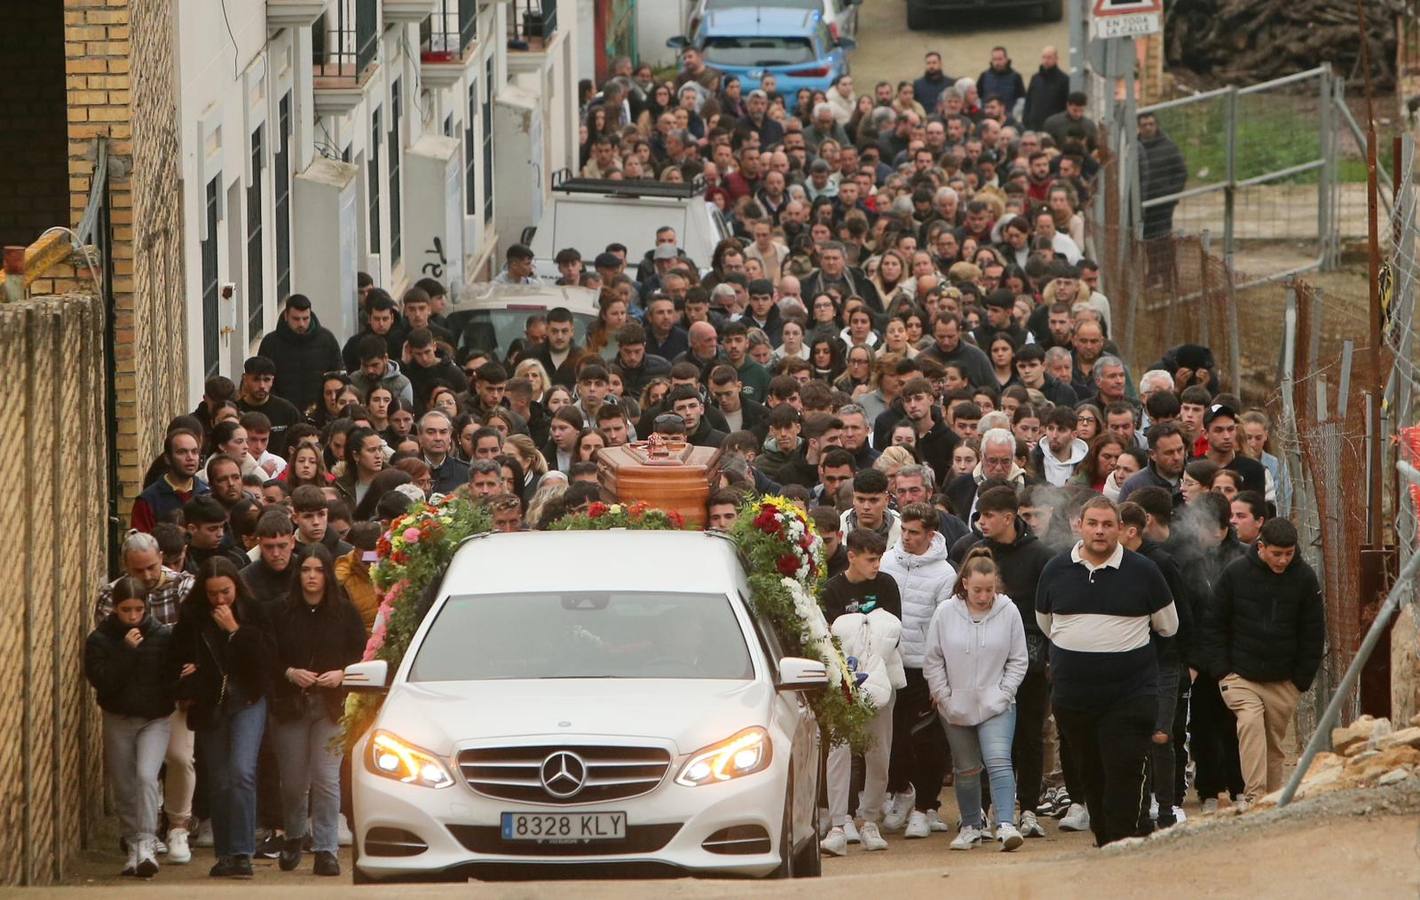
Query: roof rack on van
{"x": 564, "y": 181}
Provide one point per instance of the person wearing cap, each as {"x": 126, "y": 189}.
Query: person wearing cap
{"x": 770, "y": 132}
{"x": 1220, "y": 427}
{"x": 608, "y": 266}
{"x": 819, "y": 184}
{"x": 518, "y": 267}
{"x": 664, "y": 259}
{"x": 255, "y": 395}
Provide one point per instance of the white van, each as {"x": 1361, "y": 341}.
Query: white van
{"x": 589, "y": 213}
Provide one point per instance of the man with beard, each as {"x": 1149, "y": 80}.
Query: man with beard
{"x": 258, "y": 377}
{"x": 182, "y": 456}
{"x": 301, "y": 348}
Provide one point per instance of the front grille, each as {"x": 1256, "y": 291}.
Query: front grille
{"x": 489, "y": 839}
{"x": 738, "y": 840}
{"x": 611, "y": 773}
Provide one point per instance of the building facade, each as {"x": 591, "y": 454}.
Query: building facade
{"x": 258, "y": 148}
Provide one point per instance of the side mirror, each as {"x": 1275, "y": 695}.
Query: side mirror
{"x": 678, "y": 42}
{"x": 798, "y": 674}
{"x": 847, "y": 43}
{"x": 367, "y": 677}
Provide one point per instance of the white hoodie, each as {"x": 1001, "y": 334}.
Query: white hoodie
{"x": 873, "y": 639}
{"x": 1057, "y": 472}
{"x": 924, "y": 582}
{"x": 974, "y": 669}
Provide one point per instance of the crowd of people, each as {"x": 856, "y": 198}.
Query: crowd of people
{"x": 1052, "y": 571}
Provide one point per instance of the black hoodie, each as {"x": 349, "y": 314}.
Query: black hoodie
{"x": 130, "y": 681}
{"x": 1263, "y": 626}
{"x": 1020, "y": 563}
{"x": 301, "y": 360}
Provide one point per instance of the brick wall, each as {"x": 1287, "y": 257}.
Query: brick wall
{"x": 120, "y": 68}
{"x": 34, "y": 192}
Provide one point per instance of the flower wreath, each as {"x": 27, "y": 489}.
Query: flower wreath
{"x": 785, "y": 563}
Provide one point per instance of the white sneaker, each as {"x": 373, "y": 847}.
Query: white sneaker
{"x": 1030, "y": 825}
{"x": 1154, "y": 808}
{"x": 1077, "y": 819}
{"x": 917, "y": 826}
{"x": 1178, "y": 814}
{"x": 1240, "y": 807}
{"x": 969, "y": 837}
{"x": 835, "y": 844}
{"x": 345, "y": 838}
{"x": 872, "y": 838}
{"x": 895, "y": 816}
{"x": 131, "y": 866}
{"x": 1210, "y": 806}
{"x": 850, "y": 831}
{"x": 1009, "y": 837}
{"x": 147, "y": 865}
{"x": 159, "y": 847}
{"x": 934, "y": 821}
{"x": 178, "y": 850}
{"x": 204, "y": 834}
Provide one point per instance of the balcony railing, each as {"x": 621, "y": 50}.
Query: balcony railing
{"x": 344, "y": 43}
{"x": 531, "y": 24}
{"x": 448, "y": 33}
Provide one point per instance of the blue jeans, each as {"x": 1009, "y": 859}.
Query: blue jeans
{"x": 988, "y": 745}
{"x": 310, "y": 776}
{"x": 230, "y": 747}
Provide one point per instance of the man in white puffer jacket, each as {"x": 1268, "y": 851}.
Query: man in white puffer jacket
{"x": 918, "y": 563}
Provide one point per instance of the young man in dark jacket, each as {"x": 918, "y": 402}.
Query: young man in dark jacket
{"x": 1020, "y": 558}
{"x": 303, "y": 350}
{"x": 1262, "y": 640}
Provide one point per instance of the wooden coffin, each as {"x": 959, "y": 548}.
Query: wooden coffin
{"x": 667, "y": 476}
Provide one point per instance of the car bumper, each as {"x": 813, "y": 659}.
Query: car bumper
{"x": 975, "y": 5}
{"x": 666, "y": 829}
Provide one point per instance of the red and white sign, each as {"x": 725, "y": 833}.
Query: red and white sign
{"x": 1126, "y": 18}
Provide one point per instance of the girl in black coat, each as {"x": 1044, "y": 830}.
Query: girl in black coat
{"x": 318, "y": 633}
{"x": 222, "y": 649}
{"x": 126, "y": 660}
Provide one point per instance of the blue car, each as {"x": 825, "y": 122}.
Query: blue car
{"x": 794, "y": 45}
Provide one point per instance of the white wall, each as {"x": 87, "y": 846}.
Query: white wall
{"x": 657, "y": 20}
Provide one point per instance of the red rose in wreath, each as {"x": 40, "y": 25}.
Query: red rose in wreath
{"x": 596, "y": 510}
{"x": 788, "y": 564}
{"x": 766, "y": 521}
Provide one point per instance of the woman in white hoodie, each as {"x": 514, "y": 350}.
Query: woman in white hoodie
{"x": 975, "y": 661}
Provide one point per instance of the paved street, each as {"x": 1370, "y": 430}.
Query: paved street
{"x": 888, "y": 51}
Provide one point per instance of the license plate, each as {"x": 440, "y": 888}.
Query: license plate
{"x": 564, "y": 827}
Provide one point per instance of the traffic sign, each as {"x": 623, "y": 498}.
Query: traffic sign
{"x": 1126, "y": 18}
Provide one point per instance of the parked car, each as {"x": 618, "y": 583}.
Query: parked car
{"x": 589, "y": 212}
{"x": 749, "y": 41}
{"x": 841, "y": 16}
{"x": 920, "y": 12}
{"x": 585, "y": 718}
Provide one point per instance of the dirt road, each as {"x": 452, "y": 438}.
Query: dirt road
{"x": 1363, "y": 844}
{"x": 888, "y": 51}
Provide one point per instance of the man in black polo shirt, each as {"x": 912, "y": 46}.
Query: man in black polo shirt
{"x": 1099, "y": 604}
